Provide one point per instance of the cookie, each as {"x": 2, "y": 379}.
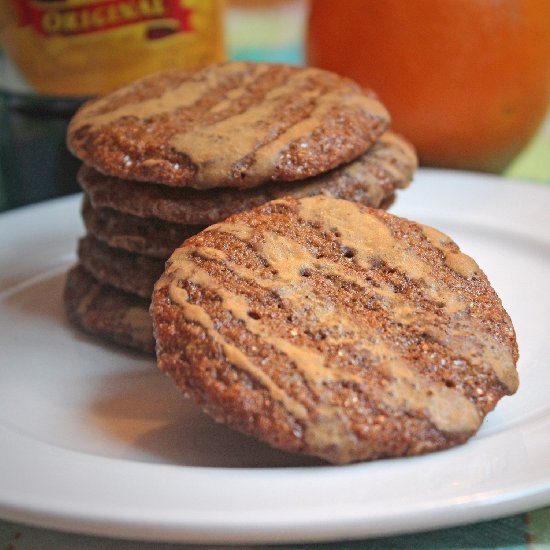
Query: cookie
{"x": 328, "y": 328}
{"x": 116, "y": 267}
{"x": 146, "y": 236}
{"x": 106, "y": 312}
{"x": 371, "y": 180}
{"x": 231, "y": 125}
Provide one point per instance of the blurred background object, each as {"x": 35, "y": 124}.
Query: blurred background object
{"x": 266, "y": 30}
{"x": 467, "y": 81}
{"x": 75, "y": 48}
{"x": 56, "y": 54}
{"x": 35, "y": 164}
{"x": 533, "y": 163}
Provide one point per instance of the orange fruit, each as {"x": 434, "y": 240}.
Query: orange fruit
{"x": 467, "y": 81}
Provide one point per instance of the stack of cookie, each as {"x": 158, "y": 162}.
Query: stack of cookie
{"x": 175, "y": 152}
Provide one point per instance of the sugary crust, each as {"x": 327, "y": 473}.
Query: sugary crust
{"x": 107, "y": 312}
{"x": 331, "y": 329}
{"x": 231, "y": 125}
{"x": 371, "y": 180}
{"x": 146, "y": 236}
{"x": 127, "y": 271}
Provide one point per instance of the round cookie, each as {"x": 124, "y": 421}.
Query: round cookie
{"x": 133, "y": 273}
{"x": 230, "y": 125}
{"x": 371, "y": 180}
{"x": 106, "y": 312}
{"x": 147, "y": 236}
{"x": 332, "y": 329}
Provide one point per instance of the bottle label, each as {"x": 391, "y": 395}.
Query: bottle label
{"x": 67, "y": 18}
{"x": 88, "y": 47}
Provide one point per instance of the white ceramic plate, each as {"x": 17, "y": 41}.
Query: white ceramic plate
{"x": 93, "y": 439}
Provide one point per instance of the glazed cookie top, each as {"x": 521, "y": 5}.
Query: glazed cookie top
{"x": 336, "y": 330}
{"x": 370, "y": 179}
{"x": 231, "y": 125}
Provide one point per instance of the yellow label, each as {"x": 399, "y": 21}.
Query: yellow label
{"x": 87, "y": 47}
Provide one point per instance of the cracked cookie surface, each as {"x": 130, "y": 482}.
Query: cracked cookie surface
{"x": 327, "y": 328}
{"x": 231, "y": 125}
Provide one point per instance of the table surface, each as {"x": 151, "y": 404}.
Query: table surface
{"x": 530, "y": 530}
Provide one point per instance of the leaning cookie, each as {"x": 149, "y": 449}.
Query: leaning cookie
{"x": 371, "y": 180}
{"x": 230, "y": 125}
{"x": 107, "y": 312}
{"x": 133, "y": 273}
{"x": 327, "y": 328}
{"x": 146, "y": 236}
